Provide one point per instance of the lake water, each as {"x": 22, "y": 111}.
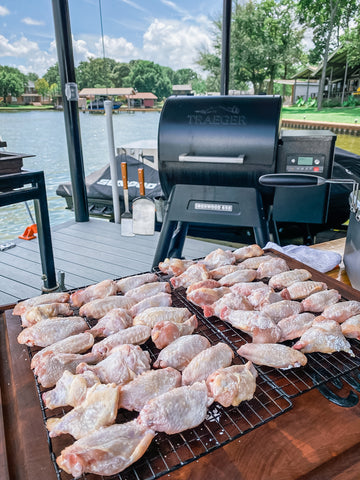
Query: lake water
{"x": 42, "y": 133}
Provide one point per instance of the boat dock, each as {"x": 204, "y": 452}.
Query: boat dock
{"x": 87, "y": 253}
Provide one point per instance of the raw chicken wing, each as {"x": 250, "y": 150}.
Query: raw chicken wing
{"x": 351, "y": 327}
{"x": 166, "y": 332}
{"x": 99, "y": 308}
{"x": 220, "y": 272}
{"x": 181, "y": 351}
{"x": 79, "y": 343}
{"x": 195, "y": 273}
{"x": 272, "y": 355}
{"x": 99, "y": 409}
{"x": 103, "y": 289}
{"x": 52, "y": 330}
{"x": 232, "y": 385}
{"x": 136, "y": 335}
{"x": 342, "y": 311}
{"x": 218, "y": 258}
{"x": 128, "y": 283}
{"x": 261, "y": 297}
{"x": 254, "y": 262}
{"x": 158, "y": 300}
{"x": 245, "y": 288}
{"x": 279, "y": 310}
{"x": 151, "y": 316}
{"x": 324, "y": 336}
{"x": 36, "y": 314}
{"x": 206, "y": 296}
{"x": 230, "y": 300}
{"x": 206, "y": 362}
{"x": 247, "y": 252}
{"x": 123, "y": 364}
{"x": 70, "y": 390}
{"x": 56, "y": 297}
{"x": 148, "y": 290}
{"x": 178, "y": 410}
{"x": 208, "y": 283}
{"x": 115, "y": 320}
{"x": 240, "y": 275}
{"x": 52, "y": 366}
{"x": 146, "y": 386}
{"x": 272, "y": 267}
{"x": 285, "y": 279}
{"x": 175, "y": 266}
{"x": 301, "y": 290}
{"x": 256, "y": 324}
{"x": 317, "y": 302}
{"x": 295, "y": 325}
{"x": 106, "y": 451}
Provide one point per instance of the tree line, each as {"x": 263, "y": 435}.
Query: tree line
{"x": 142, "y": 75}
{"x": 266, "y": 43}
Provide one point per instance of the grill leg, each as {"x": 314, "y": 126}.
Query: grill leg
{"x": 178, "y": 240}
{"x": 165, "y": 240}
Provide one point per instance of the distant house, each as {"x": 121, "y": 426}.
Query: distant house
{"x": 103, "y": 93}
{"x": 341, "y": 79}
{"x": 182, "y": 90}
{"x": 142, "y": 100}
{"x": 28, "y": 97}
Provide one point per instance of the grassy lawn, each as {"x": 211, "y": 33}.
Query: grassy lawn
{"x": 8, "y": 108}
{"x": 334, "y": 114}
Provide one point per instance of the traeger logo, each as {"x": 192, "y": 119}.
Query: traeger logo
{"x": 218, "y": 116}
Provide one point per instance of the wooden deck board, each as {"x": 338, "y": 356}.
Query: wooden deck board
{"x": 87, "y": 252}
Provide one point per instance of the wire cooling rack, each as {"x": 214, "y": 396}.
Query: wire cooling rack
{"x": 167, "y": 453}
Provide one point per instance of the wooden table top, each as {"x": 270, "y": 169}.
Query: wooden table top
{"x": 315, "y": 440}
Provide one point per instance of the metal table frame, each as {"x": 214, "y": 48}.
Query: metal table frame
{"x": 27, "y": 185}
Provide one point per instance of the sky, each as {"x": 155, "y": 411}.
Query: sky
{"x": 168, "y": 32}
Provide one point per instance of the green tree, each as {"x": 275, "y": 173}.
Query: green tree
{"x": 53, "y": 75}
{"x": 119, "y": 74}
{"x": 32, "y": 76}
{"x": 95, "y": 73}
{"x": 184, "y": 76}
{"x": 148, "y": 76}
{"x": 12, "y": 82}
{"x": 54, "y": 90}
{"x": 42, "y": 87}
{"x": 351, "y": 42}
{"x": 265, "y": 43}
{"x": 326, "y": 18}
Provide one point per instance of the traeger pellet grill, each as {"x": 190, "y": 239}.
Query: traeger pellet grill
{"x": 211, "y": 153}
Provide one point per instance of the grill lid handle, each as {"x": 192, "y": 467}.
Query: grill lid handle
{"x": 193, "y": 158}
{"x": 291, "y": 180}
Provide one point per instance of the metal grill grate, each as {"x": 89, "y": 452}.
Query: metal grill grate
{"x": 320, "y": 368}
{"x": 170, "y": 452}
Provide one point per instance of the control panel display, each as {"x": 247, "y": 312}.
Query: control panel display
{"x": 305, "y": 163}
{"x": 305, "y": 160}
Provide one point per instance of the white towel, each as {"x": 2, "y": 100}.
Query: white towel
{"x": 321, "y": 260}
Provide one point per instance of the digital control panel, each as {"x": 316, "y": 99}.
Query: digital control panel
{"x": 305, "y": 163}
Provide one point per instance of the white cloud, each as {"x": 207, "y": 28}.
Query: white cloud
{"x": 4, "y": 11}
{"x": 134, "y": 5}
{"x": 175, "y": 44}
{"x": 31, "y": 21}
{"x": 19, "y": 48}
{"x": 117, "y": 48}
{"x": 37, "y": 60}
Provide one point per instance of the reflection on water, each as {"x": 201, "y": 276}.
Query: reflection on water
{"x": 43, "y": 134}
{"x": 349, "y": 142}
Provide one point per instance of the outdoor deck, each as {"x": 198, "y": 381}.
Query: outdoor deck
{"x": 87, "y": 252}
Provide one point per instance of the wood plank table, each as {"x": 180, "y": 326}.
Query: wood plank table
{"x": 315, "y": 440}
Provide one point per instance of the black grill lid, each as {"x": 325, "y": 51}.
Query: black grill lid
{"x": 222, "y": 140}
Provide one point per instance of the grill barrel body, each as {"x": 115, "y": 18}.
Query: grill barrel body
{"x": 219, "y": 141}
